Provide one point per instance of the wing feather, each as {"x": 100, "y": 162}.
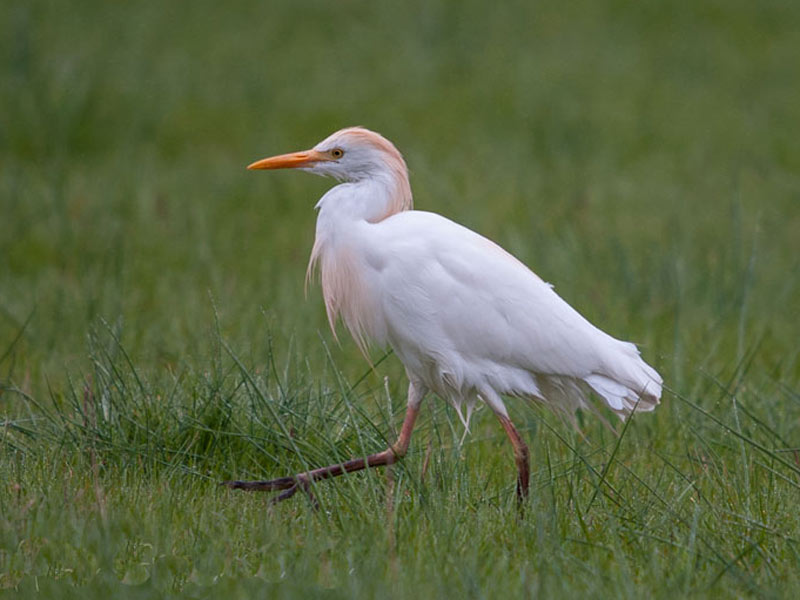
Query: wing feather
{"x": 455, "y": 303}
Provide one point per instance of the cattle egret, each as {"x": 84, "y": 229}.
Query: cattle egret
{"x": 468, "y": 320}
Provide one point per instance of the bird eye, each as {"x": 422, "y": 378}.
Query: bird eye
{"x": 337, "y": 153}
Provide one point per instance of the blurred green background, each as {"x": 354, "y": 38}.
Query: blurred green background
{"x": 634, "y": 155}
{"x": 643, "y": 157}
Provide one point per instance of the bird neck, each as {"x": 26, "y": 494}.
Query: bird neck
{"x": 349, "y": 205}
{"x": 373, "y": 198}
{"x": 344, "y": 213}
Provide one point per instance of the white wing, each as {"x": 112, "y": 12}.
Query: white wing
{"x": 468, "y": 319}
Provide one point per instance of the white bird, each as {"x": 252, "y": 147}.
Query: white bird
{"x": 468, "y": 320}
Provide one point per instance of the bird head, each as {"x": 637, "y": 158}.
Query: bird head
{"x": 350, "y": 154}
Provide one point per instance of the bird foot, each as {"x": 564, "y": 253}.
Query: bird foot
{"x": 289, "y": 485}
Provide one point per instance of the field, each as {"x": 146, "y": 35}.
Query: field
{"x": 155, "y": 338}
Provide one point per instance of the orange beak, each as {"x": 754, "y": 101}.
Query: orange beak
{"x": 293, "y": 160}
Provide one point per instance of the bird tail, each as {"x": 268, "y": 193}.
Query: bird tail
{"x": 627, "y": 383}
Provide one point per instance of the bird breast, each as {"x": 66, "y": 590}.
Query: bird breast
{"x": 347, "y": 293}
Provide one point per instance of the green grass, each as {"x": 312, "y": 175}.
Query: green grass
{"x": 155, "y": 340}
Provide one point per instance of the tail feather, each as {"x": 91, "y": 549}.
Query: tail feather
{"x": 630, "y": 384}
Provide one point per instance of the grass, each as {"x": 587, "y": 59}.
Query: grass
{"x": 154, "y": 337}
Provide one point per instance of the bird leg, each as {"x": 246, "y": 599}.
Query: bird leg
{"x": 291, "y": 485}
{"x": 521, "y": 456}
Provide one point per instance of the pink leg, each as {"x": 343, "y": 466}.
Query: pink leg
{"x": 521, "y": 456}
{"x": 303, "y": 480}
